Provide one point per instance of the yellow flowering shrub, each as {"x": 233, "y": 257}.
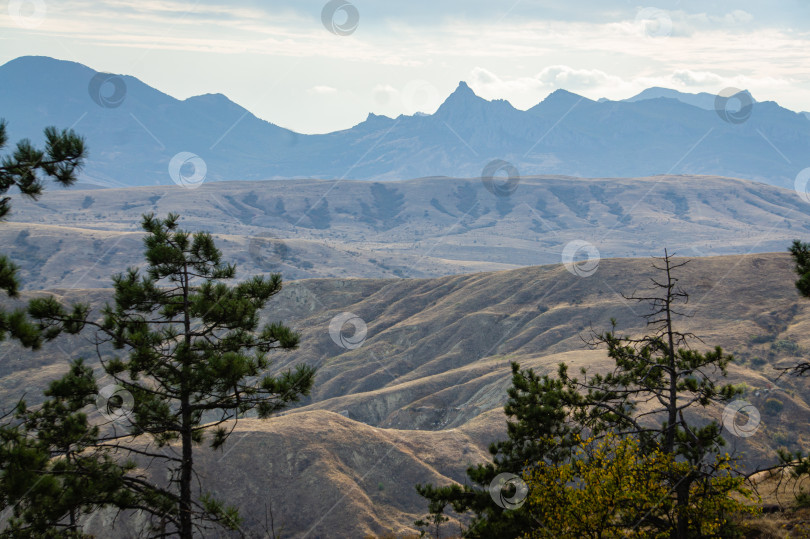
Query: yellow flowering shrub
{"x": 613, "y": 489}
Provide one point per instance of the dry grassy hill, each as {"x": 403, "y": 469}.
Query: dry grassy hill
{"x": 414, "y": 228}
{"x": 421, "y": 397}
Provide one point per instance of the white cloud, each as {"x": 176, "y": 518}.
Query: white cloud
{"x": 524, "y": 92}
{"x": 483, "y": 77}
{"x": 568, "y": 77}
{"x": 687, "y": 77}
{"x": 322, "y": 90}
{"x": 738, "y": 16}
{"x": 384, "y": 89}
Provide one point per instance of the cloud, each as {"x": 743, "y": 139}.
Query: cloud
{"x": 482, "y": 77}
{"x": 292, "y": 30}
{"x": 322, "y": 90}
{"x": 415, "y": 96}
{"x": 522, "y": 92}
{"x": 526, "y": 91}
{"x": 686, "y": 24}
{"x": 565, "y": 76}
{"x": 738, "y": 16}
{"x": 686, "y": 77}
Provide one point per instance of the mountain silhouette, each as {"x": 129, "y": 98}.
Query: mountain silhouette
{"x": 133, "y": 132}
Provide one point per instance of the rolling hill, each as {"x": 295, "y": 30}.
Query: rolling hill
{"x": 421, "y": 397}
{"x": 415, "y": 228}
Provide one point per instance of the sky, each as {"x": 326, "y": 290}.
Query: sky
{"x": 316, "y": 66}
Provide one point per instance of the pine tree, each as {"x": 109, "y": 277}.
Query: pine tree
{"x": 797, "y": 462}
{"x": 538, "y": 409}
{"x": 549, "y": 415}
{"x": 800, "y": 251}
{"x": 663, "y": 371}
{"x": 56, "y": 467}
{"x": 48, "y": 474}
{"x": 61, "y": 160}
{"x": 196, "y": 360}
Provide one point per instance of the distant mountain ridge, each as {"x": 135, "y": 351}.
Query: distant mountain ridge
{"x": 659, "y": 131}
{"x": 703, "y": 100}
{"x": 410, "y": 228}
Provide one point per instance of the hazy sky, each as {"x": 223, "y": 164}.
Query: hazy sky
{"x": 279, "y": 60}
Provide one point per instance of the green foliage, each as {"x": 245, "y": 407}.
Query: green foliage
{"x": 798, "y": 462}
{"x": 662, "y": 370}
{"x": 801, "y": 257}
{"x": 787, "y": 346}
{"x": 773, "y": 406}
{"x": 62, "y": 158}
{"x": 55, "y": 467}
{"x": 547, "y": 416}
{"x": 196, "y": 356}
{"x": 760, "y": 339}
{"x": 607, "y": 489}
{"x": 538, "y": 429}
{"x": 43, "y": 491}
{"x": 438, "y": 500}
{"x": 758, "y": 361}
{"x": 228, "y": 515}
{"x": 612, "y": 488}
{"x": 802, "y": 499}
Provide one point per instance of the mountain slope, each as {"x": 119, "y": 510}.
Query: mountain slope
{"x": 701, "y": 100}
{"x": 421, "y": 398}
{"x": 132, "y": 143}
{"x": 414, "y": 228}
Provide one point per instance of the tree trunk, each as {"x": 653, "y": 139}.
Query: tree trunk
{"x": 673, "y": 373}
{"x": 682, "y": 528}
{"x": 185, "y": 430}
{"x": 682, "y": 490}
{"x": 185, "y": 472}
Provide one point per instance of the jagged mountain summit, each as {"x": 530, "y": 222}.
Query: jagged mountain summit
{"x": 134, "y": 131}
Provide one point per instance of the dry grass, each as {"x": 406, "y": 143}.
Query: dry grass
{"x": 438, "y": 227}
{"x": 423, "y": 396}
{"x": 793, "y": 523}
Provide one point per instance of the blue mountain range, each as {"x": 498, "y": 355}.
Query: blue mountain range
{"x": 133, "y": 131}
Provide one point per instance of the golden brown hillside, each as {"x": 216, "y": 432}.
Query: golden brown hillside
{"x": 421, "y": 397}
{"x": 413, "y": 228}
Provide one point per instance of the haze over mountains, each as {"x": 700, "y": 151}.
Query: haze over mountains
{"x": 133, "y": 132}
